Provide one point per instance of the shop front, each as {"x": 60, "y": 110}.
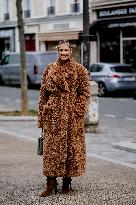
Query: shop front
{"x": 7, "y": 40}
{"x": 116, "y": 34}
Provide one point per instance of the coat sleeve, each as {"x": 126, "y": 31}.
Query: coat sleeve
{"x": 43, "y": 98}
{"x": 83, "y": 92}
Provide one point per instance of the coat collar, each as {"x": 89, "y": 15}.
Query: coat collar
{"x": 64, "y": 75}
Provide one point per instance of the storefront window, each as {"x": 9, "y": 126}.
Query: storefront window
{"x": 129, "y": 46}
{"x": 110, "y": 46}
{"x": 129, "y": 52}
{"x": 7, "y": 44}
{"x": 129, "y": 32}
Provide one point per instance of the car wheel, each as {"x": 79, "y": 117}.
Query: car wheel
{"x": 101, "y": 89}
{"x": 1, "y": 81}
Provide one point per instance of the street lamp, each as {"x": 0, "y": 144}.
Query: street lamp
{"x": 85, "y": 37}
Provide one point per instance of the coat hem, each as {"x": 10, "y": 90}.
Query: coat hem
{"x": 64, "y": 175}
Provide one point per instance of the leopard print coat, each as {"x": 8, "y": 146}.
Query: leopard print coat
{"x": 63, "y": 102}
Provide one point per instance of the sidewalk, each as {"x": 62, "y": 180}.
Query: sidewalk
{"x": 115, "y": 145}
{"x": 21, "y": 179}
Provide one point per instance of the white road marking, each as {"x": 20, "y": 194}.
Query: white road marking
{"x": 123, "y": 100}
{"x": 109, "y": 115}
{"x": 7, "y": 99}
{"x": 17, "y": 101}
{"x": 129, "y": 118}
{"x": 114, "y": 116}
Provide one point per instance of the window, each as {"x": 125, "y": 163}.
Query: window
{"x": 51, "y": 7}
{"x": 27, "y": 13}
{"x": 27, "y": 8}
{"x": 6, "y": 10}
{"x": 14, "y": 59}
{"x": 123, "y": 69}
{"x": 110, "y": 45}
{"x": 5, "y": 60}
{"x": 96, "y": 68}
{"x": 75, "y": 6}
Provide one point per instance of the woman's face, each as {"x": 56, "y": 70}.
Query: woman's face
{"x": 64, "y": 52}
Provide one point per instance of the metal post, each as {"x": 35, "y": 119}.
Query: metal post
{"x": 86, "y": 43}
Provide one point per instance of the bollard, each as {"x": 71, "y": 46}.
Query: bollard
{"x": 91, "y": 120}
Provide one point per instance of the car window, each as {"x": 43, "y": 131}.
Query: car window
{"x": 96, "y": 68}
{"x": 47, "y": 58}
{"x": 41, "y": 58}
{"x": 5, "y": 60}
{"x": 30, "y": 58}
{"x": 14, "y": 59}
{"x": 123, "y": 69}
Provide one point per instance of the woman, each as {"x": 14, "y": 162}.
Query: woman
{"x": 64, "y": 95}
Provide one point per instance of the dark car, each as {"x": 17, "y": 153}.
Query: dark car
{"x": 113, "y": 77}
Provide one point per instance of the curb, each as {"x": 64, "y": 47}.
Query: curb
{"x": 114, "y": 161}
{"x": 127, "y": 146}
{"x": 17, "y": 118}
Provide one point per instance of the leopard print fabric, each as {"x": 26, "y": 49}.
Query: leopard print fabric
{"x": 63, "y": 102}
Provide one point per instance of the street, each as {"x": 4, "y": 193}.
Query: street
{"x": 117, "y": 123}
{"x": 110, "y": 172}
{"x": 121, "y": 108}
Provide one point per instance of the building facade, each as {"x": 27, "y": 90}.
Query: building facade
{"x": 113, "y": 24}
{"x": 112, "y": 27}
{"x": 45, "y": 23}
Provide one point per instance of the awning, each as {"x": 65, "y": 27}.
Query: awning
{"x": 57, "y": 36}
{"x": 113, "y": 23}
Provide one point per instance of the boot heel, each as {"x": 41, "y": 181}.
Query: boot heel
{"x": 56, "y": 190}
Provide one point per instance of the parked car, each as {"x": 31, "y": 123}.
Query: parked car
{"x": 35, "y": 61}
{"x": 113, "y": 77}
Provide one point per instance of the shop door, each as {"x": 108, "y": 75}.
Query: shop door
{"x": 129, "y": 51}
{"x": 2, "y": 47}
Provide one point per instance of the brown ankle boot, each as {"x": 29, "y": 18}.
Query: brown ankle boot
{"x": 66, "y": 186}
{"x": 51, "y": 186}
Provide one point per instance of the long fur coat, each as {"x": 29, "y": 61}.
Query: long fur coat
{"x": 63, "y": 103}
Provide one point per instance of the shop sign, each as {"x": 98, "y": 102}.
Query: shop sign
{"x": 61, "y": 26}
{"x": 122, "y": 25}
{"x": 6, "y": 33}
{"x": 117, "y": 12}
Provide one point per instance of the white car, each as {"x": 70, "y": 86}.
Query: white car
{"x": 113, "y": 77}
{"x": 35, "y": 62}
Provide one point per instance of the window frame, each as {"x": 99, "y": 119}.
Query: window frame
{"x": 75, "y": 6}
{"x": 6, "y": 10}
{"x": 51, "y": 8}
